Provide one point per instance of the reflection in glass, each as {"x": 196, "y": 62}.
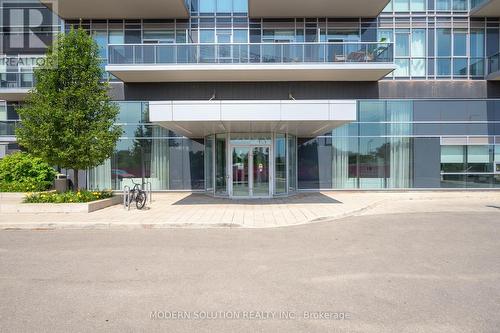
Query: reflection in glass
{"x": 241, "y": 181}
{"x": 452, "y": 181}
{"x": 292, "y": 163}
{"x": 280, "y": 164}
{"x": 480, "y": 158}
{"x": 260, "y": 177}
{"x": 209, "y": 163}
{"x": 220, "y": 164}
{"x": 452, "y": 158}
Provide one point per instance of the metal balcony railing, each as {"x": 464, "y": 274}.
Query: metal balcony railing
{"x": 250, "y": 53}
{"x": 16, "y": 80}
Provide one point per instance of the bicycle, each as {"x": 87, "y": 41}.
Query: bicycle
{"x": 138, "y": 195}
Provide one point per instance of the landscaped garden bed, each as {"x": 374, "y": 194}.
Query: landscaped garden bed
{"x": 71, "y": 207}
{"x": 25, "y": 183}
{"x": 68, "y": 197}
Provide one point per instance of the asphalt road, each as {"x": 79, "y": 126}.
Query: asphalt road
{"x": 386, "y": 273}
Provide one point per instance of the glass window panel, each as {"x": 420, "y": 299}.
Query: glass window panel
{"x": 240, "y": 6}
{"x": 479, "y": 181}
{"x": 460, "y": 67}
{"x": 452, "y": 158}
{"x": 224, "y": 6}
{"x": 491, "y": 41}
{"x": 443, "y": 67}
{"x": 402, "y": 45}
{"x": 443, "y": 42}
{"x": 452, "y": 154}
{"x": 418, "y": 43}
{"x": 372, "y": 111}
{"x": 116, "y": 37}
{"x": 209, "y": 163}
{"x": 460, "y": 5}
{"x": 314, "y": 163}
{"x": 401, "y": 5}
{"x": 207, "y": 36}
{"x": 480, "y": 158}
{"x": 292, "y": 162}
{"x": 280, "y": 166}
{"x": 133, "y": 36}
{"x": 477, "y": 43}
{"x": 477, "y": 67}
{"x": 373, "y": 162}
{"x": 418, "y": 67}
{"x": 388, "y": 8}
{"x": 101, "y": 38}
{"x": 497, "y": 153}
{"x": 443, "y": 5}
{"x": 385, "y": 35}
{"x": 207, "y": 6}
{"x": 453, "y": 181}
{"x": 479, "y": 154}
{"x": 459, "y": 44}
{"x": 402, "y": 68}
{"x": 240, "y": 36}
{"x": 180, "y": 36}
{"x": 417, "y": 5}
{"x": 220, "y": 164}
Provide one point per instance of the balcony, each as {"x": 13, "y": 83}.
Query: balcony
{"x": 15, "y": 86}
{"x": 315, "y": 8}
{"x": 485, "y": 8}
{"x": 8, "y": 129}
{"x": 119, "y": 9}
{"x": 251, "y": 62}
{"x": 493, "y": 64}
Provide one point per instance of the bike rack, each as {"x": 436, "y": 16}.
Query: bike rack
{"x": 126, "y": 195}
{"x": 149, "y": 190}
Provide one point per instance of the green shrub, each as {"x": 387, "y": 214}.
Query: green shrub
{"x": 21, "y": 172}
{"x": 68, "y": 197}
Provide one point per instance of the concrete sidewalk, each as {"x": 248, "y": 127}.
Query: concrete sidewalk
{"x": 198, "y": 210}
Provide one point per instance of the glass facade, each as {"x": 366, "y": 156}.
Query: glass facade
{"x": 391, "y": 145}
{"x": 395, "y": 144}
{"x": 150, "y": 153}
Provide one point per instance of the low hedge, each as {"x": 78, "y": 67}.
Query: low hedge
{"x": 68, "y": 197}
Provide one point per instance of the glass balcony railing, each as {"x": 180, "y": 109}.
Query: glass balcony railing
{"x": 16, "y": 80}
{"x": 494, "y": 63}
{"x": 8, "y": 127}
{"x": 281, "y": 53}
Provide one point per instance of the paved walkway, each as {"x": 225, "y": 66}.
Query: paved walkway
{"x": 198, "y": 210}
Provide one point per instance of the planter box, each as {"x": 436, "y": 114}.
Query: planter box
{"x": 36, "y": 208}
{"x": 12, "y": 196}
{"x": 16, "y": 196}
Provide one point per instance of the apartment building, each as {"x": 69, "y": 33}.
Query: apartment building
{"x": 265, "y": 98}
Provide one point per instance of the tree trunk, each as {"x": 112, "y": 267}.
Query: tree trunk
{"x": 76, "y": 186}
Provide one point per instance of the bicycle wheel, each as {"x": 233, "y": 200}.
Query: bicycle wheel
{"x": 140, "y": 200}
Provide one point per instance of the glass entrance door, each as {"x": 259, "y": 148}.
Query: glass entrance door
{"x": 241, "y": 177}
{"x": 260, "y": 175}
{"x": 250, "y": 168}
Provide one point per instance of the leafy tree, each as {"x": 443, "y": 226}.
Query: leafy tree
{"x": 68, "y": 119}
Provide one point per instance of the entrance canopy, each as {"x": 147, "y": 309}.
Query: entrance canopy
{"x": 298, "y": 117}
